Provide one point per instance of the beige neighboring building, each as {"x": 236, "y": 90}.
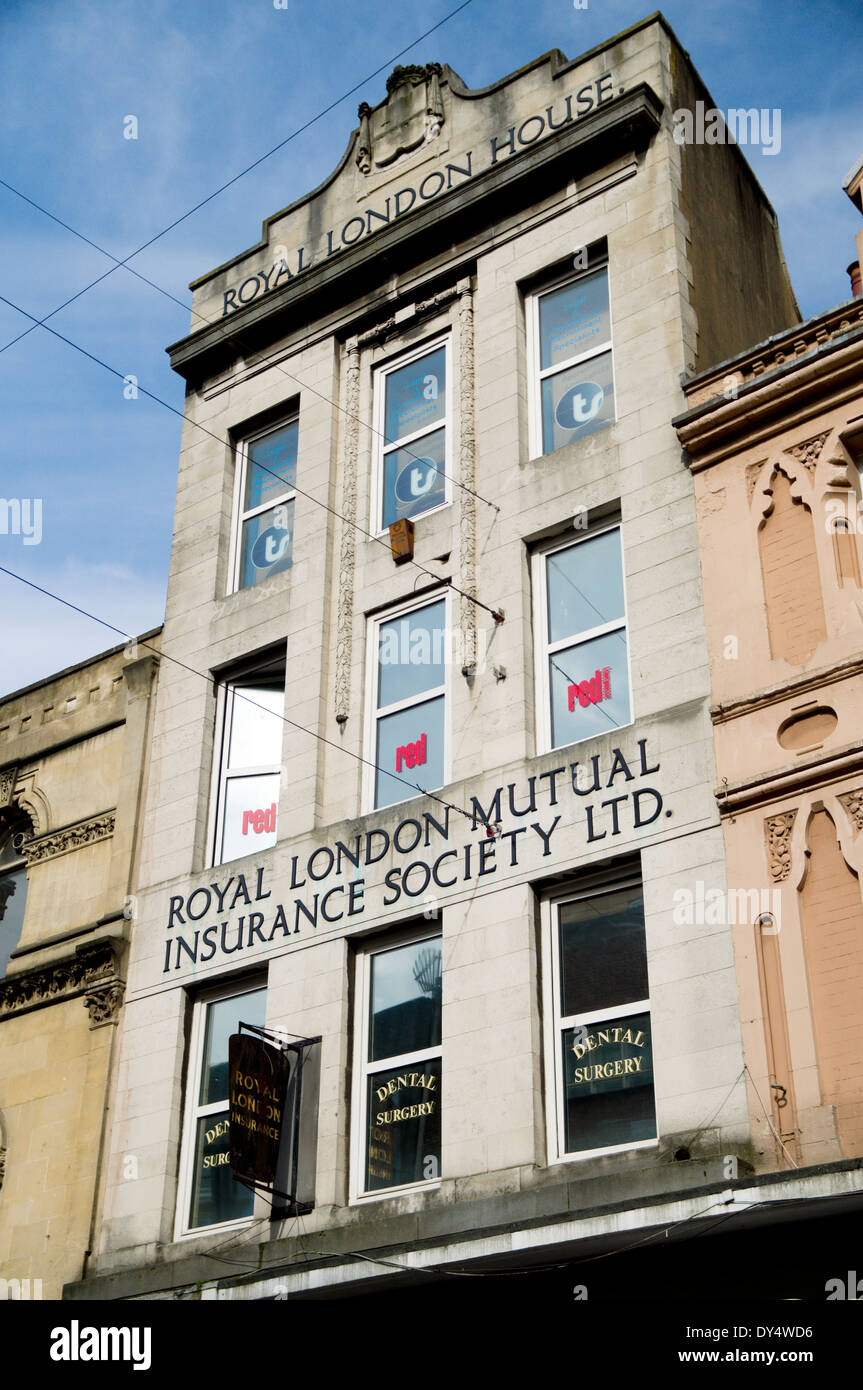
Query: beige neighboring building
{"x": 71, "y": 781}
{"x": 775, "y": 443}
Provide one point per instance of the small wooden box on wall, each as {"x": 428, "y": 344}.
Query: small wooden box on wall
{"x": 402, "y": 540}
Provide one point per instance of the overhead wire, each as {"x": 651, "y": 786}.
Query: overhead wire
{"x": 233, "y": 337}
{"x": 247, "y": 170}
{"x": 115, "y": 371}
{"x": 158, "y": 651}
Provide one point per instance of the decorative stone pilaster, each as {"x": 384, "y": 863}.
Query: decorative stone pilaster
{"x": 348, "y": 547}
{"x": 777, "y": 836}
{"x": 467, "y": 473}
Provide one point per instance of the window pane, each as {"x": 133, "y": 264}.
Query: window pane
{"x": 585, "y": 586}
{"x": 275, "y": 453}
{"x": 411, "y": 654}
{"x": 413, "y": 736}
{"x": 13, "y": 897}
{"x": 608, "y": 1084}
{"x": 574, "y": 319}
{"x": 405, "y": 999}
{"x": 224, "y": 1018}
{"x": 251, "y": 815}
{"x": 414, "y": 478}
{"x": 589, "y": 689}
{"x": 577, "y": 401}
{"x": 403, "y": 1142}
{"x": 603, "y": 957}
{"x": 216, "y": 1195}
{"x": 415, "y": 396}
{"x": 265, "y": 546}
{"x": 256, "y": 726}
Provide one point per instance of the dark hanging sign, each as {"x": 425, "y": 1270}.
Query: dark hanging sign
{"x": 258, "y": 1076}
{"x": 273, "y": 1116}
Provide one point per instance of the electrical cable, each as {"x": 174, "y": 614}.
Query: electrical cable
{"x": 208, "y": 678}
{"x": 237, "y": 342}
{"x": 114, "y": 371}
{"x": 236, "y": 178}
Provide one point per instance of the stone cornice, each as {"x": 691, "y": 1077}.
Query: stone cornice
{"x": 777, "y": 783}
{"x": 93, "y": 973}
{"x": 818, "y": 377}
{"x": 71, "y": 837}
{"x": 785, "y": 690}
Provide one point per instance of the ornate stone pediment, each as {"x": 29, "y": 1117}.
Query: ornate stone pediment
{"x": 411, "y": 115}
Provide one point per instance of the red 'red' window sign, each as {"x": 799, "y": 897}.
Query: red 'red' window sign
{"x": 259, "y": 821}
{"x": 591, "y": 692}
{"x": 411, "y": 754}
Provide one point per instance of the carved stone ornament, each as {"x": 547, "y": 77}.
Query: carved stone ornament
{"x": 2, "y": 1165}
{"x": 8, "y": 778}
{"x": 103, "y": 1005}
{"x": 92, "y": 973}
{"x": 86, "y": 832}
{"x": 752, "y": 472}
{"x": 412, "y": 114}
{"x": 808, "y": 451}
{"x": 777, "y": 836}
{"x": 852, "y": 805}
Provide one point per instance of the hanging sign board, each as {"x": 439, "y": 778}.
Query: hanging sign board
{"x": 258, "y": 1076}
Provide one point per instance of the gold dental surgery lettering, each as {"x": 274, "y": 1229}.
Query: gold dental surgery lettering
{"x": 604, "y": 1071}
{"x": 411, "y": 1081}
{"x": 220, "y": 1159}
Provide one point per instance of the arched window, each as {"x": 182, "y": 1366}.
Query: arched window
{"x": 15, "y": 828}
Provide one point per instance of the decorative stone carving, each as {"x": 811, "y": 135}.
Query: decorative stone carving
{"x": 752, "y": 472}
{"x": 347, "y": 553}
{"x": 103, "y": 1005}
{"x": 808, "y": 451}
{"x": 364, "y": 144}
{"x": 467, "y": 462}
{"x": 852, "y": 804}
{"x": 92, "y": 972}
{"x": 409, "y": 117}
{"x": 8, "y": 778}
{"x": 2, "y": 1165}
{"x": 434, "y": 108}
{"x": 72, "y": 837}
{"x": 777, "y": 836}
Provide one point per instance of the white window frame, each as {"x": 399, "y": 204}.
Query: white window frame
{"x": 544, "y": 648}
{"x": 407, "y": 441}
{"x": 538, "y": 374}
{"x": 557, "y": 1023}
{"x": 193, "y": 1111}
{"x": 363, "y": 1067}
{"x": 373, "y": 713}
{"x": 238, "y": 514}
{"x": 220, "y": 777}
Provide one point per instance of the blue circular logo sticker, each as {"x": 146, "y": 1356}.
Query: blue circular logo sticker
{"x": 272, "y": 545}
{"x": 416, "y": 480}
{"x": 579, "y": 405}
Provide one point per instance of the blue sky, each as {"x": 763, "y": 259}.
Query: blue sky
{"x": 215, "y": 85}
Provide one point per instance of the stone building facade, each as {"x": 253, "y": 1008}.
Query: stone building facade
{"x": 72, "y": 768}
{"x": 434, "y": 752}
{"x": 775, "y": 443}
